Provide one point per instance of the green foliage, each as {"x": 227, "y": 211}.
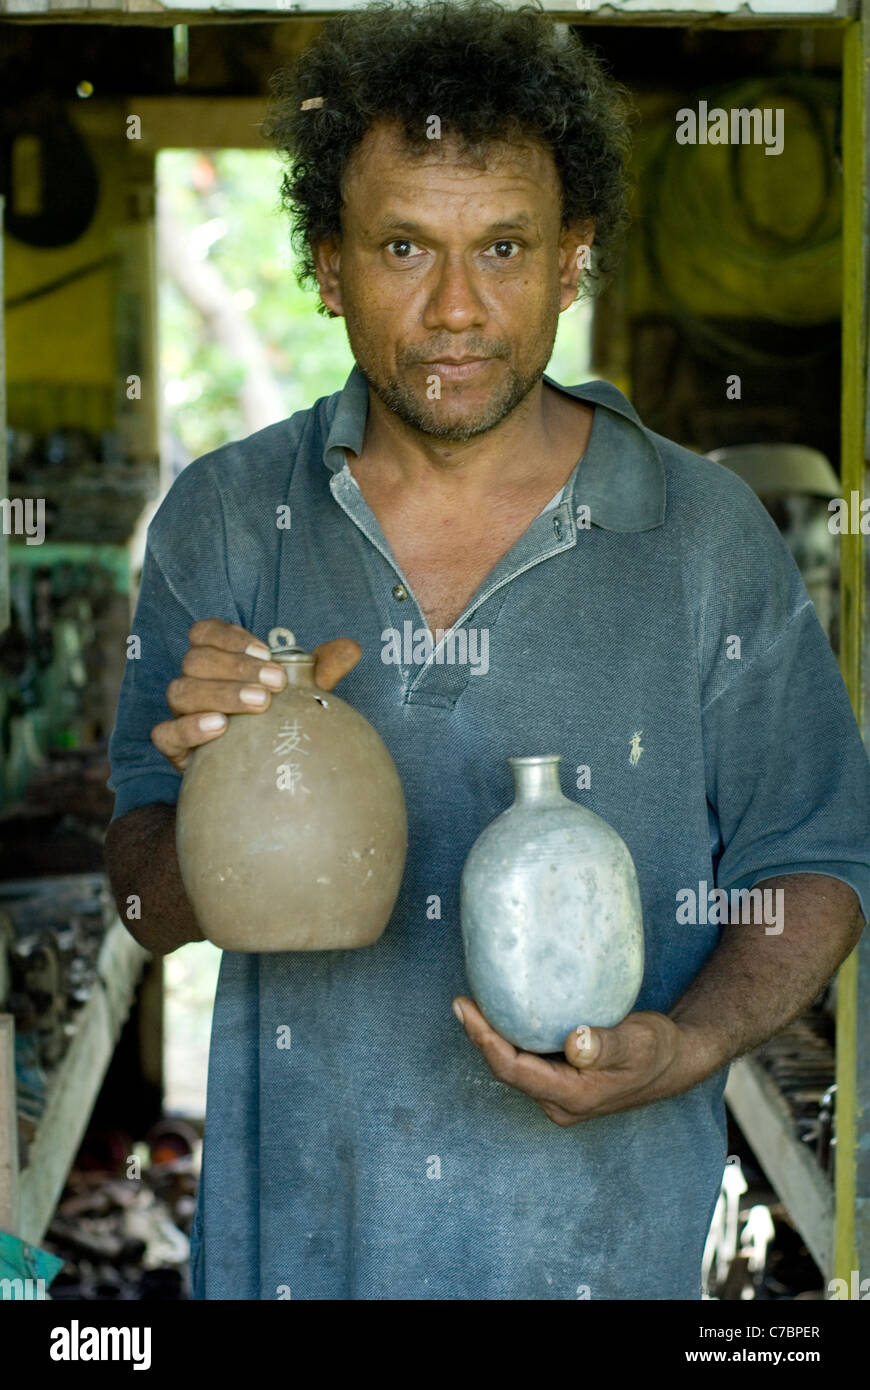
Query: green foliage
{"x": 309, "y": 355}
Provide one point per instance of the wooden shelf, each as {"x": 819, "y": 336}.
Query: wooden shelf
{"x": 765, "y": 1117}
{"x": 30, "y": 1195}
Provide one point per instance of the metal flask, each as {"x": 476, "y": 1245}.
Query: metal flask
{"x": 291, "y": 829}
{"x": 551, "y": 915}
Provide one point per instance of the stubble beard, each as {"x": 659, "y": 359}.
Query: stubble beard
{"x": 428, "y": 418}
{"x": 432, "y": 418}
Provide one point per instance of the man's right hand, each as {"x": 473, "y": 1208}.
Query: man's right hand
{"x": 227, "y": 670}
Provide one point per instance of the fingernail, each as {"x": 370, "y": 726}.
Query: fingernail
{"x": 252, "y": 696}
{"x": 457, "y": 1009}
{"x": 212, "y": 721}
{"x": 257, "y": 649}
{"x": 272, "y": 675}
{"x": 584, "y": 1038}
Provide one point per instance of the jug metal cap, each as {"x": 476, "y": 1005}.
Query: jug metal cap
{"x": 282, "y": 645}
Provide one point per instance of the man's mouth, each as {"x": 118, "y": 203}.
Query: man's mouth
{"x": 457, "y": 368}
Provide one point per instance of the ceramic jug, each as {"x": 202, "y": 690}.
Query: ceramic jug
{"x": 291, "y": 829}
{"x": 551, "y": 915}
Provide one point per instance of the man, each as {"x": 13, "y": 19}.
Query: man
{"x": 644, "y": 618}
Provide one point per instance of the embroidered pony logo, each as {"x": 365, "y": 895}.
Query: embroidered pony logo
{"x": 636, "y": 749}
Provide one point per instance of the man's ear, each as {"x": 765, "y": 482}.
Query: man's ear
{"x": 327, "y": 260}
{"x": 575, "y": 245}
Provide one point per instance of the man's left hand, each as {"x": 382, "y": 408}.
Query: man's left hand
{"x": 645, "y": 1058}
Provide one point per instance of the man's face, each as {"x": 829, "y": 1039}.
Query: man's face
{"x": 440, "y": 260}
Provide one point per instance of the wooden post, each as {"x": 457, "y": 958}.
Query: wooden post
{"x": 852, "y": 1192}
{"x": 8, "y": 1128}
{"x": 4, "y": 471}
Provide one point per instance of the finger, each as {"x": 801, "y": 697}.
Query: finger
{"x": 496, "y": 1049}
{"x": 637, "y": 1044}
{"x": 583, "y": 1046}
{"x": 188, "y": 695}
{"x": 229, "y": 637}
{"x": 603, "y": 1049}
{"x": 176, "y": 738}
{"x": 558, "y": 1115}
{"x": 526, "y": 1071}
{"x": 211, "y": 663}
{"x": 334, "y": 659}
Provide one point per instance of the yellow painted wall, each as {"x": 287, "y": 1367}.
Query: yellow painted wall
{"x": 61, "y": 348}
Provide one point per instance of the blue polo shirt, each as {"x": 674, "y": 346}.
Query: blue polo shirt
{"x": 652, "y": 627}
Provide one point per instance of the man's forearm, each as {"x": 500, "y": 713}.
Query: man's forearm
{"x": 754, "y": 983}
{"x": 143, "y": 867}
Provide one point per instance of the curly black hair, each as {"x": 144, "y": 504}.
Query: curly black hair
{"x": 488, "y": 73}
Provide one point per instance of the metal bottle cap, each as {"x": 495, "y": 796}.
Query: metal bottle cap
{"x": 282, "y": 645}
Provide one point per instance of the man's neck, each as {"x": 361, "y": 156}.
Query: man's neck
{"x": 546, "y": 431}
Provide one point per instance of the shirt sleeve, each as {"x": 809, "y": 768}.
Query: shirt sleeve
{"x": 209, "y": 545}
{"x": 140, "y": 774}
{"x": 184, "y": 579}
{"x": 787, "y": 772}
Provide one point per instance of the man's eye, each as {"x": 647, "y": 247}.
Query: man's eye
{"x": 498, "y": 248}
{"x": 401, "y": 242}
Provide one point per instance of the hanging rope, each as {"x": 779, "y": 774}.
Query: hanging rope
{"x": 706, "y": 243}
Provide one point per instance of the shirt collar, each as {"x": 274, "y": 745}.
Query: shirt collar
{"x": 621, "y": 477}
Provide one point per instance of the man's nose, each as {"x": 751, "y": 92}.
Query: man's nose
{"x": 454, "y": 302}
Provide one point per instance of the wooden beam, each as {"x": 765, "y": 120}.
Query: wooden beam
{"x": 763, "y": 1114}
{"x": 75, "y": 1084}
{"x": 852, "y": 1186}
{"x": 4, "y": 473}
{"x": 717, "y": 14}
{"x": 202, "y": 123}
{"x": 8, "y": 1128}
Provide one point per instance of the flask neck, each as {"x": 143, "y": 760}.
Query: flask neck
{"x": 298, "y": 663}
{"x": 536, "y": 780}
{"x": 299, "y": 673}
